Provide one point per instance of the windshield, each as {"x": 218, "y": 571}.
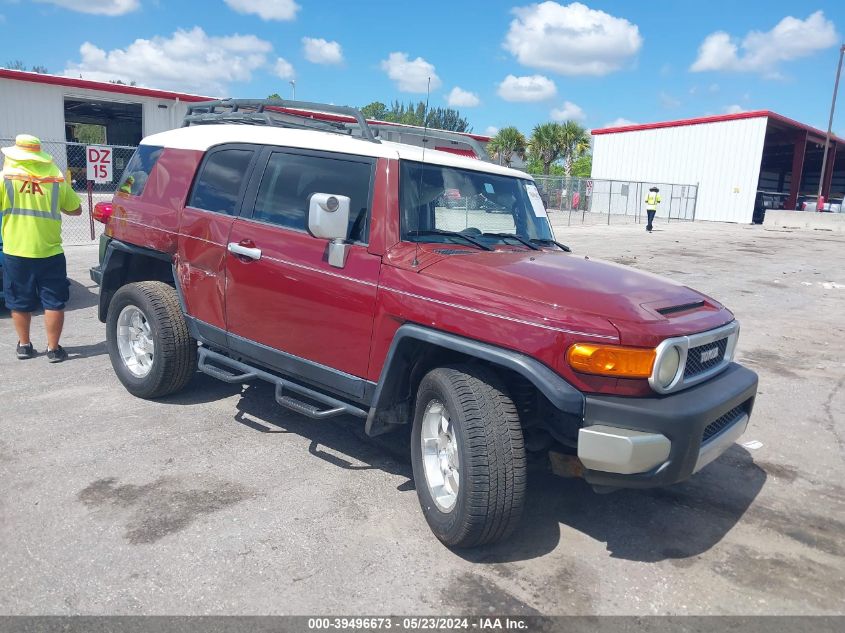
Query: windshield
{"x": 436, "y": 200}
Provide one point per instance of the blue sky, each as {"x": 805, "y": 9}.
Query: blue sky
{"x": 514, "y": 63}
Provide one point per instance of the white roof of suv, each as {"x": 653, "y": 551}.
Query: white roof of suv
{"x": 203, "y": 137}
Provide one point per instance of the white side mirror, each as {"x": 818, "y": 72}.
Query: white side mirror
{"x": 328, "y": 218}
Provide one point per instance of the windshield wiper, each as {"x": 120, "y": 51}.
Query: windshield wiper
{"x": 547, "y": 242}
{"x": 513, "y": 236}
{"x": 463, "y": 236}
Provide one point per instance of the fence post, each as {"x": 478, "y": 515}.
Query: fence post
{"x": 609, "y": 200}
{"x": 695, "y": 201}
{"x": 91, "y": 208}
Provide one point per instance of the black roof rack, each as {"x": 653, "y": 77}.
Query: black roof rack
{"x": 277, "y": 113}
{"x": 433, "y": 134}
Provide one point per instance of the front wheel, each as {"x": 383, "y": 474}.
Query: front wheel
{"x": 147, "y": 339}
{"x": 468, "y": 456}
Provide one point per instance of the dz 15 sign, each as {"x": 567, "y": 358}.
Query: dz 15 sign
{"x": 98, "y": 160}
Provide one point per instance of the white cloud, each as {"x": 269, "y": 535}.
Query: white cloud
{"x": 460, "y": 98}
{"x": 529, "y": 88}
{"x": 319, "y": 51}
{"x": 571, "y": 39}
{"x": 188, "y": 61}
{"x": 410, "y": 75}
{"x": 714, "y": 88}
{"x": 281, "y": 10}
{"x": 283, "y": 69}
{"x": 734, "y": 109}
{"x": 791, "y": 38}
{"x": 97, "y": 7}
{"x": 668, "y": 101}
{"x": 620, "y": 122}
{"x": 569, "y": 112}
{"x": 491, "y": 130}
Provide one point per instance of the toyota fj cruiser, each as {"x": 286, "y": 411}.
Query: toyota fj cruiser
{"x": 408, "y": 286}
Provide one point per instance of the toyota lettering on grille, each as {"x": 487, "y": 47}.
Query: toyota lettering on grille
{"x": 709, "y": 354}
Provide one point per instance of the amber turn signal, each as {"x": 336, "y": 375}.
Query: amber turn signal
{"x": 611, "y": 360}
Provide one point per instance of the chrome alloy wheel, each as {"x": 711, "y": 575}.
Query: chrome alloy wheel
{"x": 440, "y": 456}
{"x": 135, "y": 341}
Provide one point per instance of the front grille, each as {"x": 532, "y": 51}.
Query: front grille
{"x": 696, "y": 366}
{"x": 719, "y": 425}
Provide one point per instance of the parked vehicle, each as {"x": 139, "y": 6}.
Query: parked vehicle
{"x": 319, "y": 259}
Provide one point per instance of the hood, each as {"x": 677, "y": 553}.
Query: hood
{"x": 565, "y": 282}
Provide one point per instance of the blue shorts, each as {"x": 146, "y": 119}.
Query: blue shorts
{"x": 29, "y": 282}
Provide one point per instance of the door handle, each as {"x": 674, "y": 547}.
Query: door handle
{"x": 244, "y": 251}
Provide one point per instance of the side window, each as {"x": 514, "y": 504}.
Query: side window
{"x": 290, "y": 179}
{"x": 138, "y": 169}
{"x": 219, "y": 183}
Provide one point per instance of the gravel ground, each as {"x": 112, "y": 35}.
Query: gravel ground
{"x": 216, "y": 501}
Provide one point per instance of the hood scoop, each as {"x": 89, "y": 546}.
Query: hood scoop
{"x": 453, "y": 251}
{"x": 684, "y": 307}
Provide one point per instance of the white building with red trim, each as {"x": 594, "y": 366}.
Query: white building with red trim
{"x": 52, "y": 107}
{"x": 730, "y": 157}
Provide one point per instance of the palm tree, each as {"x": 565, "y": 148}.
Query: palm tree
{"x": 575, "y": 142}
{"x": 546, "y": 144}
{"x": 507, "y": 142}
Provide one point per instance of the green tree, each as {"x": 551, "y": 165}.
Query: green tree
{"x": 507, "y": 142}
{"x": 275, "y": 95}
{"x": 90, "y": 133}
{"x": 17, "y": 64}
{"x": 374, "y": 110}
{"x": 583, "y": 166}
{"x": 546, "y": 144}
{"x": 574, "y": 143}
{"x": 415, "y": 114}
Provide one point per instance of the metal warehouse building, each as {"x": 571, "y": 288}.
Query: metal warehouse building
{"x": 53, "y": 107}
{"x": 731, "y": 157}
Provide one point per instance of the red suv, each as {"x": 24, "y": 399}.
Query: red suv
{"x": 307, "y": 253}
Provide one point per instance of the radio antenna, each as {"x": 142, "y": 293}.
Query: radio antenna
{"x": 416, "y": 261}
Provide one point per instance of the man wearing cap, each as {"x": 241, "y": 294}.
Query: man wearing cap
{"x": 651, "y": 202}
{"x": 33, "y": 196}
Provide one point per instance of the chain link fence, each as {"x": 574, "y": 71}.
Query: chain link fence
{"x": 573, "y": 200}
{"x": 569, "y": 199}
{"x": 71, "y": 159}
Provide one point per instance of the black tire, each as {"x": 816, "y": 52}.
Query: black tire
{"x": 175, "y": 357}
{"x": 492, "y": 472}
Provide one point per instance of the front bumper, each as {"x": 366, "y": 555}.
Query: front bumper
{"x": 647, "y": 442}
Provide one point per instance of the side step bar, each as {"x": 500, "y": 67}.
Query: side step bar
{"x": 235, "y": 372}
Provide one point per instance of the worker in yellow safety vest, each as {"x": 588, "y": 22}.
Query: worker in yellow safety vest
{"x": 33, "y": 196}
{"x": 651, "y": 202}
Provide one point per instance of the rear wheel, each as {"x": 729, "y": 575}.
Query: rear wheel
{"x": 468, "y": 456}
{"x": 147, "y": 339}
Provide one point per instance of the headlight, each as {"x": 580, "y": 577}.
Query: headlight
{"x": 611, "y": 360}
{"x": 670, "y": 361}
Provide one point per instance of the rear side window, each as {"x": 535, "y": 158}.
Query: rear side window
{"x": 138, "y": 169}
{"x": 290, "y": 179}
{"x": 222, "y": 175}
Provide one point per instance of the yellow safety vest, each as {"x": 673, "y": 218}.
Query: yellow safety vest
{"x": 651, "y": 201}
{"x": 31, "y": 201}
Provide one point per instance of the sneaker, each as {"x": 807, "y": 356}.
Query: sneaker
{"x": 25, "y": 351}
{"x": 56, "y": 355}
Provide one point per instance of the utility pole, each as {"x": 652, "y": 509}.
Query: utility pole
{"x": 820, "y": 199}
{"x": 292, "y": 83}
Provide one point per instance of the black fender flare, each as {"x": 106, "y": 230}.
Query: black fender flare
{"x": 559, "y": 392}
{"x": 113, "y": 269}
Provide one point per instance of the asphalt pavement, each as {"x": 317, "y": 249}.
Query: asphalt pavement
{"x": 216, "y": 501}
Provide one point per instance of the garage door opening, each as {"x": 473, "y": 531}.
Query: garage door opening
{"x": 111, "y": 122}
{"x": 791, "y": 168}
{"x": 97, "y": 122}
